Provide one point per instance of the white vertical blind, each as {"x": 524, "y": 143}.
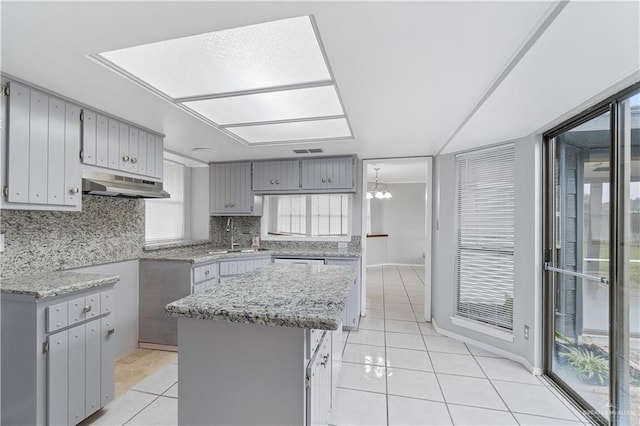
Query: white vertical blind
{"x": 485, "y": 191}
{"x": 165, "y": 218}
{"x": 308, "y": 216}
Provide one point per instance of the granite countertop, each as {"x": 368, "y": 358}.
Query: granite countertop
{"x": 51, "y": 284}
{"x": 202, "y": 254}
{"x": 303, "y": 296}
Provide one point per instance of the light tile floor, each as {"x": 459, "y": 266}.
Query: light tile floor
{"x": 396, "y": 371}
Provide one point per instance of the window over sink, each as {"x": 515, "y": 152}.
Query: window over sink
{"x": 165, "y": 218}
{"x": 319, "y": 217}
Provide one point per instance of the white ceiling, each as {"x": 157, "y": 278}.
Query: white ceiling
{"x": 416, "y": 78}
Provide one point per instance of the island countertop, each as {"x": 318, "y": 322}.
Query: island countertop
{"x": 303, "y": 296}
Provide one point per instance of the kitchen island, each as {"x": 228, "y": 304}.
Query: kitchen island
{"x": 263, "y": 348}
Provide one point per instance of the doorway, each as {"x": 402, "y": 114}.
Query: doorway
{"x": 592, "y": 258}
{"x": 396, "y": 224}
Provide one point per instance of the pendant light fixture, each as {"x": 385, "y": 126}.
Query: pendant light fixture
{"x": 378, "y": 190}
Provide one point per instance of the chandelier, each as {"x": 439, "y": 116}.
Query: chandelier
{"x": 378, "y": 190}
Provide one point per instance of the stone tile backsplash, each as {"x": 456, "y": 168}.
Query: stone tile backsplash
{"x": 106, "y": 230}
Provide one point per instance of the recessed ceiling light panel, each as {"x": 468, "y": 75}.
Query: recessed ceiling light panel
{"x": 296, "y": 131}
{"x": 267, "y": 83}
{"x": 270, "y": 106}
{"x": 247, "y": 58}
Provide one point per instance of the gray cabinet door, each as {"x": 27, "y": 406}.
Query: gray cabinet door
{"x": 352, "y": 308}
{"x": 107, "y": 332}
{"x": 72, "y": 170}
{"x": 151, "y": 157}
{"x": 89, "y": 129}
{"x": 58, "y": 379}
{"x": 159, "y": 157}
{"x": 140, "y": 155}
{"x": 124, "y": 147}
{"x": 77, "y": 367}
{"x": 113, "y": 150}
{"x": 230, "y": 186}
{"x": 56, "y": 151}
{"x": 283, "y": 175}
{"x": 102, "y": 141}
{"x": 92, "y": 375}
{"x": 43, "y": 149}
{"x": 38, "y": 147}
{"x": 336, "y": 173}
{"x": 18, "y": 150}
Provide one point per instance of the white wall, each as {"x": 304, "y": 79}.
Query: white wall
{"x": 199, "y": 205}
{"x": 528, "y": 263}
{"x": 402, "y": 217}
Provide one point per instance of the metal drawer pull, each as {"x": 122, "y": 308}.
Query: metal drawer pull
{"x": 277, "y": 182}
{"x": 206, "y": 272}
{"x": 134, "y": 160}
{"x": 329, "y": 180}
{"x": 111, "y": 331}
{"x": 87, "y": 308}
{"x": 74, "y": 190}
{"x": 125, "y": 158}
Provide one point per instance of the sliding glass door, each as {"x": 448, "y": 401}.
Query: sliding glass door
{"x": 592, "y": 243}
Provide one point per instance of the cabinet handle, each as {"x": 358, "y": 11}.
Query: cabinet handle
{"x": 87, "y": 308}
{"x": 277, "y": 182}
{"x": 134, "y": 160}
{"x": 206, "y": 272}
{"x": 329, "y": 180}
{"x": 323, "y": 180}
{"x": 74, "y": 190}
{"x": 271, "y": 181}
{"x": 125, "y": 158}
{"x": 325, "y": 359}
{"x": 111, "y": 331}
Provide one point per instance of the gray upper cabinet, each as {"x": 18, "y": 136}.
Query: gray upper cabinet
{"x": 43, "y": 148}
{"x": 112, "y": 144}
{"x": 230, "y": 186}
{"x": 329, "y": 174}
{"x": 274, "y": 176}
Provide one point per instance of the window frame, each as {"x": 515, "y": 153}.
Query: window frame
{"x": 264, "y": 233}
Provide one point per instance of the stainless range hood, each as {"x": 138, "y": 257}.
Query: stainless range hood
{"x": 112, "y": 185}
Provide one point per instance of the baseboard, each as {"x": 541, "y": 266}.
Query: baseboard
{"x": 380, "y": 265}
{"x": 536, "y": 371}
{"x": 157, "y": 347}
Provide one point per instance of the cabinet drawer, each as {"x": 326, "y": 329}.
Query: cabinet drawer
{"x": 206, "y": 272}
{"x": 106, "y": 302}
{"x": 57, "y": 317}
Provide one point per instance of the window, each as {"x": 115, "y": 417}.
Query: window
{"x": 165, "y": 218}
{"x": 321, "y": 217}
{"x": 485, "y": 218}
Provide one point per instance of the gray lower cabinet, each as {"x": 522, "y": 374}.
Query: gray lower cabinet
{"x": 351, "y": 313}
{"x": 57, "y": 357}
{"x": 320, "y": 382}
{"x": 232, "y": 268}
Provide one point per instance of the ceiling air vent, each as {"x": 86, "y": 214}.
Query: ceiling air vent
{"x": 308, "y": 151}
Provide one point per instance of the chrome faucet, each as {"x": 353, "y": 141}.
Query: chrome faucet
{"x": 229, "y": 228}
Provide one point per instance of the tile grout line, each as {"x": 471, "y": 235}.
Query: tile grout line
{"x": 386, "y": 364}
{"x": 491, "y": 383}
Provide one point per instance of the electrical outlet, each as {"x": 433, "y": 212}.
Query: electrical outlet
{"x": 1, "y": 243}
{"x": 526, "y": 332}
